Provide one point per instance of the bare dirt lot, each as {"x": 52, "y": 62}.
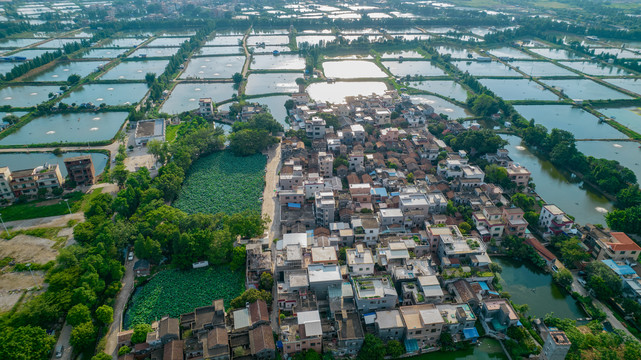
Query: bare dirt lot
{"x": 25, "y": 248}
{"x": 12, "y": 285}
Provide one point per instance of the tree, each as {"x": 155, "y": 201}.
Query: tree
{"x": 25, "y": 343}
{"x": 629, "y": 197}
{"x": 79, "y": 314}
{"x": 140, "y": 333}
{"x": 73, "y": 79}
{"x": 105, "y": 314}
{"x": 119, "y": 175}
{"x": 602, "y": 280}
{"x": 372, "y": 349}
{"x": 83, "y": 336}
{"x": 150, "y": 78}
{"x": 238, "y": 259}
{"x": 124, "y": 350}
{"x": 250, "y": 296}
{"x": 465, "y": 227}
{"x": 11, "y": 119}
{"x": 564, "y": 278}
{"x": 237, "y": 78}
{"x": 628, "y": 220}
{"x": 289, "y": 104}
{"x": 249, "y": 142}
{"x": 410, "y": 178}
{"x": 526, "y": 203}
{"x": 485, "y": 105}
{"x": 103, "y": 356}
{"x": 395, "y": 349}
{"x": 148, "y": 248}
{"x": 266, "y": 281}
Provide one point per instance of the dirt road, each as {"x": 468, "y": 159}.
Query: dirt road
{"x": 119, "y": 308}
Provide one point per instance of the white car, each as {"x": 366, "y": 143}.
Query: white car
{"x": 131, "y": 256}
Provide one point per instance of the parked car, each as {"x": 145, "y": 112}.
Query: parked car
{"x": 131, "y": 256}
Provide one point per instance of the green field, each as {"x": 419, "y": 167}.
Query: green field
{"x": 174, "y": 292}
{"x": 222, "y": 182}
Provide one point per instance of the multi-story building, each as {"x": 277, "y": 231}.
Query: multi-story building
{"x": 205, "y": 107}
{"x": 458, "y": 317}
{"x": 302, "y": 333}
{"x": 489, "y": 222}
{"x": 5, "y": 184}
{"x": 374, "y": 293}
{"x": 554, "y": 220}
{"x": 325, "y": 164}
{"x": 518, "y": 174}
{"x": 359, "y": 261}
{"x": 423, "y": 324}
{"x": 604, "y": 244}
{"x": 389, "y": 325}
{"x": 324, "y": 208}
{"x": 516, "y": 225}
{"x": 24, "y": 183}
{"x": 556, "y": 346}
{"x": 80, "y": 170}
{"x": 315, "y": 127}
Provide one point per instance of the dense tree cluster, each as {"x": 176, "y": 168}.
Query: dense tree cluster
{"x": 254, "y": 135}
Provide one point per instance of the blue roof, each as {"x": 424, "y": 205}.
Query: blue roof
{"x": 470, "y": 333}
{"x": 379, "y": 191}
{"x": 293, "y": 205}
{"x": 492, "y": 292}
{"x": 411, "y": 345}
{"x": 395, "y": 194}
{"x": 483, "y": 285}
{"x": 279, "y": 344}
{"x": 621, "y": 270}
{"x": 373, "y": 173}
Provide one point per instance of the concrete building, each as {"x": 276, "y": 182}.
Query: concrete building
{"x": 322, "y": 277}
{"x": 205, "y": 107}
{"x": 325, "y": 164}
{"x": 604, "y": 244}
{"x": 518, "y": 174}
{"x": 324, "y": 208}
{"x": 303, "y": 334}
{"x": 5, "y": 184}
{"x": 389, "y": 325}
{"x": 80, "y": 170}
{"x": 315, "y": 128}
{"x": 554, "y": 220}
{"x": 556, "y": 346}
{"x": 360, "y": 261}
{"x": 374, "y": 293}
{"x": 423, "y": 324}
{"x": 147, "y": 130}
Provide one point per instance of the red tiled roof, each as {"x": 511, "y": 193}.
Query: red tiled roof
{"x": 540, "y": 249}
{"x": 624, "y": 243}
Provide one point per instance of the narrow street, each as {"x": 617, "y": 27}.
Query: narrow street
{"x": 119, "y": 309}
{"x": 63, "y": 340}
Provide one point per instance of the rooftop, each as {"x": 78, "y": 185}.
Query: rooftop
{"x": 417, "y": 316}
{"x": 387, "y": 319}
{"x": 147, "y": 128}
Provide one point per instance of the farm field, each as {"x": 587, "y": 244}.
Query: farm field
{"x": 222, "y": 182}
{"x": 174, "y": 292}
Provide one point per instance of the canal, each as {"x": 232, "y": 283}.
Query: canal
{"x": 488, "y": 349}
{"x": 557, "y": 187}
{"x": 534, "y": 287}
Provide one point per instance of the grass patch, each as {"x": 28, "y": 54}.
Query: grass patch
{"x": 172, "y": 130}
{"x": 31, "y": 210}
{"x": 222, "y": 182}
{"x": 174, "y": 292}
{"x": 84, "y": 206}
{"x": 46, "y": 233}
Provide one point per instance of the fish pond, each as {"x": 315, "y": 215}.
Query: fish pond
{"x": 26, "y": 95}
{"x": 215, "y": 67}
{"x": 272, "y": 83}
{"x": 18, "y": 161}
{"x": 411, "y": 68}
{"x": 135, "y": 70}
{"x": 518, "y": 89}
{"x": 447, "y": 88}
{"x": 336, "y": 92}
{"x": 110, "y": 94}
{"x": 184, "y": 96}
{"x": 352, "y": 69}
{"x": 586, "y": 89}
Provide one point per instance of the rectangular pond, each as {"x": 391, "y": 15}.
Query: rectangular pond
{"x": 269, "y": 49}
{"x": 541, "y": 68}
{"x": 135, "y": 70}
{"x": 633, "y": 85}
{"x": 167, "y": 41}
{"x": 595, "y": 68}
{"x": 336, "y": 92}
{"x": 627, "y": 153}
{"x": 224, "y": 41}
{"x": 278, "y": 62}
{"x": 56, "y": 43}
{"x": 71, "y": 127}
{"x": 61, "y": 71}
{"x": 26, "y": 95}
{"x": 218, "y": 50}
{"x": 586, "y": 89}
{"x": 412, "y": 68}
{"x": 629, "y": 117}
{"x": 518, "y": 89}
{"x": 442, "y": 106}
{"x": 98, "y": 53}
{"x": 447, "y": 88}
{"x": 485, "y": 68}
{"x": 619, "y": 53}
{"x": 254, "y": 40}
{"x": 155, "y": 52}
{"x": 407, "y": 54}
{"x": 124, "y": 43}
{"x": 455, "y": 52}
{"x": 272, "y": 83}
{"x": 566, "y": 117}
{"x": 276, "y": 106}
{"x": 18, "y": 161}
{"x": 509, "y": 52}
{"x": 215, "y": 67}
{"x": 17, "y": 43}
{"x": 110, "y": 94}
{"x": 557, "y": 54}
{"x": 184, "y": 96}
{"x": 314, "y": 39}
{"x": 352, "y": 69}
{"x": 31, "y": 53}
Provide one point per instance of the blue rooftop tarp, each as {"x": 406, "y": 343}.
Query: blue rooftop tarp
{"x": 293, "y": 205}
{"x": 470, "y": 333}
{"x": 379, "y": 192}
{"x": 621, "y": 270}
{"x": 395, "y": 194}
{"x": 411, "y": 345}
{"x": 483, "y": 285}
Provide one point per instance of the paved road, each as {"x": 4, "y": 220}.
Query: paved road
{"x": 576, "y": 286}
{"x": 63, "y": 340}
{"x": 51, "y": 221}
{"x": 119, "y": 308}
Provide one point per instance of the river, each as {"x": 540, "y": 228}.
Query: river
{"x": 555, "y": 186}
{"x": 489, "y": 349}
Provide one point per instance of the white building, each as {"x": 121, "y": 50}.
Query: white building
{"x": 147, "y": 130}
{"x": 205, "y": 107}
